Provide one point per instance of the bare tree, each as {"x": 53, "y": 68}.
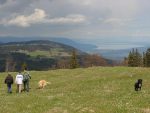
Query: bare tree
{"x": 10, "y": 64}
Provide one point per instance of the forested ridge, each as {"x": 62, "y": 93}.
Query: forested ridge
{"x": 44, "y": 55}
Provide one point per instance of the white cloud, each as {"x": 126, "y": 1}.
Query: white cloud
{"x": 116, "y": 21}
{"x": 70, "y": 19}
{"x": 25, "y": 21}
{"x": 39, "y": 16}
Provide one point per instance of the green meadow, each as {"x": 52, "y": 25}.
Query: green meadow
{"x": 82, "y": 90}
{"x": 53, "y": 52}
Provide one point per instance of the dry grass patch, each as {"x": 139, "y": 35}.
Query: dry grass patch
{"x": 57, "y": 110}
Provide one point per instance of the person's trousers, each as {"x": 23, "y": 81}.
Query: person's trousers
{"x": 9, "y": 88}
{"x": 19, "y": 87}
{"x": 26, "y": 86}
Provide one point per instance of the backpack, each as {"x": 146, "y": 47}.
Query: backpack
{"x": 25, "y": 77}
{"x": 8, "y": 81}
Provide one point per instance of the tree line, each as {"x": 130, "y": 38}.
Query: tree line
{"x": 136, "y": 59}
{"x": 15, "y": 61}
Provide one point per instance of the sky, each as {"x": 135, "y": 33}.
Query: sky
{"x": 90, "y": 21}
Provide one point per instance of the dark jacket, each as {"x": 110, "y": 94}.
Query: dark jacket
{"x": 9, "y": 80}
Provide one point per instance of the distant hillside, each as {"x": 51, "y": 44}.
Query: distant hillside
{"x": 44, "y": 55}
{"x": 80, "y": 46}
{"x": 36, "y": 55}
{"x": 39, "y": 47}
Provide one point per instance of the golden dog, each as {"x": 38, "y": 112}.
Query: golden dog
{"x": 43, "y": 83}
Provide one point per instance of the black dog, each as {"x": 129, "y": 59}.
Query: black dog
{"x": 138, "y": 85}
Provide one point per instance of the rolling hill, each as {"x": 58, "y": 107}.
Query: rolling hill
{"x": 66, "y": 41}
{"x": 36, "y": 55}
{"x": 39, "y": 47}
{"x": 44, "y": 55}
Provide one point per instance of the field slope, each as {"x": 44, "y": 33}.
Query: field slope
{"x": 90, "y": 90}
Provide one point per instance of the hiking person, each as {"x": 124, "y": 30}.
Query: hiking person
{"x": 19, "y": 79}
{"x": 9, "y": 81}
{"x": 26, "y": 79}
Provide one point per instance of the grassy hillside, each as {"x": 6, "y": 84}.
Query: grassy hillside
{"x": 39, "y": 47}
{"x": 44, "y": 55}
{"x": 37, "y": 54}
{"x": 90, "y": 90}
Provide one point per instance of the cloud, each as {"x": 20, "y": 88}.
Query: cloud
{"x": 116, "y": 21}
{"x": 70, "y": 19}
{"x": 26, "y": 21}
{"x": 39, "y": 16}
{"x": 3, "y": 1}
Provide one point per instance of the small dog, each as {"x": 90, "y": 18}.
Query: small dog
{"x": 43, "y": 83}
{"x": 138, "y": 85}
